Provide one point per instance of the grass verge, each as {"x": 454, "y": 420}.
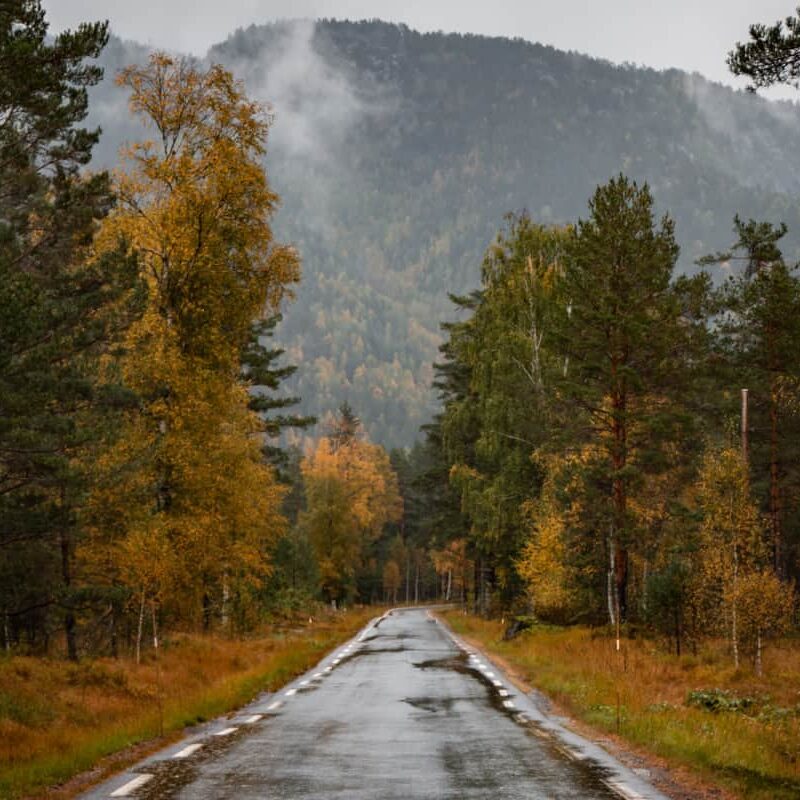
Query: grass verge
{"x": 727, "y": 725}
{"x": 59, "y": 719}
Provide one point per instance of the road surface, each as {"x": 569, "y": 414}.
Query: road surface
{"x": 404, "y": 711}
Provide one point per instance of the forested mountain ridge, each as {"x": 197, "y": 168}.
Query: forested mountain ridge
{"x": 397, "y": 154}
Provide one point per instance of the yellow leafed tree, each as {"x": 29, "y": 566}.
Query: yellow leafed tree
{"x": 734, "y": 586}
{"x": 544, "y": 565}
{"x": 188, "y": 511}
{"x": 351, "y": 493}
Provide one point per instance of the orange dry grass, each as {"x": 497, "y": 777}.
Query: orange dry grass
{"x": 58, "y": 719}
{"x": 641, "y": 693}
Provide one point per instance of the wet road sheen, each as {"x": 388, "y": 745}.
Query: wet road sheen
{"x": 404, "y": 713}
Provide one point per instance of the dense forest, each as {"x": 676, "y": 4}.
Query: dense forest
{"x": 396, "y": 155}
{"x": 590, "y": 458}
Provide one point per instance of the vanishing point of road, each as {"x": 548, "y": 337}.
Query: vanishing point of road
{"x": 404, "y": 711}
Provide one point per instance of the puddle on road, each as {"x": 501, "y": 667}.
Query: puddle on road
{"x": 435, "y": 704}
{"x": 593, "y": 774}
{"x": 371, "y": 652}
{"x": 398, "y": 636}
{"x": 458, "y": 663}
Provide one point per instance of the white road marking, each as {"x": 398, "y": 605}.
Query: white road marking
{"x": 489, "y": 674}
{"x": 251, "y": 720}
{"x": 503, "y": 693}
{"x": 273, "y": 706}
{"x": 497, "y": 683}
{"x": 188, "y": 750}
{"x": 225, "y": 732}
{"x": 131, "y": 786}
{"x": 625, "y": 791}
{"x": 290, "y": 692}
{"x": 304, "y": 683}
{"x": 318, "y": 675}
{"x": 508, "y": 704}
{"x": 328, "y": 669}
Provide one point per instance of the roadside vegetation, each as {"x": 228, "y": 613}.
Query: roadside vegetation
{"x": 729, "y": 725}
{"x": 58, "y": 720}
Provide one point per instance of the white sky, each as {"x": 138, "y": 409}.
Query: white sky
{"x": 694, "y": 35}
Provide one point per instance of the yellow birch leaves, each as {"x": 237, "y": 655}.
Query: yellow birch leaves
{"x": 351, "y": 493}
{"x": 196, "y": 509}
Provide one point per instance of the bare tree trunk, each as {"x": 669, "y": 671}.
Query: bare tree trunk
{"x": 774, "y": 484}
{"x": 66, "y": 576}
{"x": 612, "y": 617}
{"x": 225, "y": 600}
{"x": 206, "y": 611}
{"x": 139, "y": 630}
{"x": 449, "y": 584}
{"x": 644, "y": 588}
{"x": 408, "y": 577}
{"x": 619, "y": 460}
{"x": 416, "y": 584}
{"x": 158, "y": 671}
{"x": 759, "y": 668}
{"x": 112, "y": 624}
{"x": 476, "y": 590}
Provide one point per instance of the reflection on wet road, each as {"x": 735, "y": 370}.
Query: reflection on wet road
{"x": 401, "y": 712}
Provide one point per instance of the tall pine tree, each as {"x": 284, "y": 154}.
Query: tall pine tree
{"x": 60, "y": 308}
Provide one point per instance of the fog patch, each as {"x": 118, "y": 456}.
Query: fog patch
{"x": 745, "y": 135}
{"x": 317, "y": 101}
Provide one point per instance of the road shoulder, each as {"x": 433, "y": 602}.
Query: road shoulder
{"x": 675, "y": 781}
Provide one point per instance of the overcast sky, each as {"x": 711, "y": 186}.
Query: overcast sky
{"x": 694, "y": 35}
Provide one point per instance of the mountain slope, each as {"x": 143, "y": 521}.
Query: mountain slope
{"x": 398, "y": 153}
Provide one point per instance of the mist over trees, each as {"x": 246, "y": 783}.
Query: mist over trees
{"x": 396, "y": 154}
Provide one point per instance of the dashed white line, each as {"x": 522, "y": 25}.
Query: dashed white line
{"x": 318, "y": 675}
{"x": 304, "y": 683}
{"x": 225, "y": 731}
{"x": 273, "y": 706}
{"x": 289, "y": 692}
{"x": 503, "y": 692}
{"x": 188, "y": 750}
{"x": 131, "y": 786}
{"x": 251, "y": 720}
{"x": 489, "y": 674}
{"x": 508, "y": 704}
{"x": 497, "y": 683}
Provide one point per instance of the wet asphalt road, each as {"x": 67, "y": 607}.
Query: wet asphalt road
{"x": 404, "y": 711}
